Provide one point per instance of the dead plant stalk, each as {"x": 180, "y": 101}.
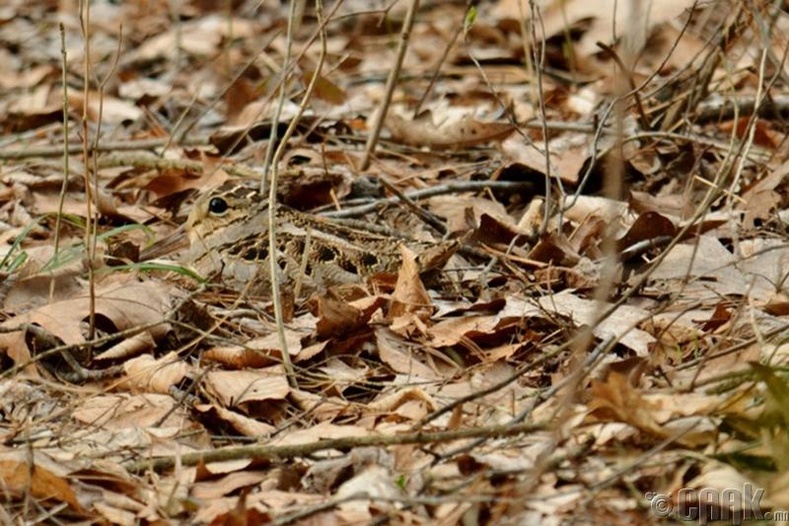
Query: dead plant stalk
{"x": 273, "y": 173}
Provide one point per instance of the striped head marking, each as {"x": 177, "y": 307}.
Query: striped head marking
{"x": 223, "y": 209}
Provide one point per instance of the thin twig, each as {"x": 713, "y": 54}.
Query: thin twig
{"x": 441, "y": 61}
{"x": 420, "y": 212}
{"x": 538, "y": 61}
{"x": 391, "y": 82}
{"x": 310, "y": 448}
{"x": 627, "y": 74}
{"x": 91, "y": 191}
{"x": 449, "y": 188}
{"x": 64, "y": 152}
{"x": 277, "y": 156}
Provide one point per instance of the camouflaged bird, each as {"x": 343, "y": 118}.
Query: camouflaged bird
{"x": 228, "y": 233}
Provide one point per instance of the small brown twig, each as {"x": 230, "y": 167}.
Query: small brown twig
{"x": 420, "y": 212}
{"x": 74, "y": 148}
{"x": 277, "y": 156}
{"x": 624, "y": 70}
{"x": 152, "y": 161}
{"x": 391, "y": 81}
{"x": 448, "y": 188}
{"x": 537, "y": 59}
{"x": 91, "y": 191}
{"x": 63, "y": 151}
{"x": 441, "y": 61}
{"x": 301, "y": 450}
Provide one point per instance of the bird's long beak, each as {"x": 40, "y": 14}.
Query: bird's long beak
{"x": 176, "y": 241}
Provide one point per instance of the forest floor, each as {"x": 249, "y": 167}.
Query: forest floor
{"x": 606, "y": 346}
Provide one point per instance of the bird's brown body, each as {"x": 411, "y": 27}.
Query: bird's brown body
{"x": 229, "y": 230}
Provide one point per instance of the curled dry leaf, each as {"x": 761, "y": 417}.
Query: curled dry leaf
{"x": 238, "y": 357}
{"x": 556, "y": 249}
{"x": 374, "y": 482}
{"x": 210, "y": 489}
{"x": 620, "y": 326}
{"x": 336, "y": 317}
{"x": 410, "y": 295}
{"x": 322, "y": 407}
{"x": 455, "y": 210}
{"x": 39, "y": 478}
{"x": 452, "y": 331}
{"x": 132, "y": 346}
{"x": 121, "y": 412}
{"x": 258, "y": 352}
{"x": 249, "y": 427}
{"x": 467, "y": 132}
{"x": 250, "y": 387}
{"x": 716, "y": 480}
{"x": 111, "y": 109}
{"x": 400, "y": 357}
{"x": 37, "y": 107}
{"x": 339, "y": 376}
{"x": 581, "y": 208}
{"x": 606, "y": 16}
{"x": 324, "y": 430}
{"x": 616, "y": 400}
{"x": 412, "y": 403}
{"x": 200, "y": 37}
{"x": 324, "y": 475}
{"x": 761, "y": 198}
{"x": 146, "y": 373}
{"x": 122, "y": 307}
{"x": 650, "y": 226}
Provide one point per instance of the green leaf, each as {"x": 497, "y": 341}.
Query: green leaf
{"x": 147, "y": 266}
{"x": 12, "y": 261}
{"x": 471, "y": 17}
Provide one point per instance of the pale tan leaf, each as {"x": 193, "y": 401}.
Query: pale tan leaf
{"x": 246, "y": 426}
{"x": 150, "y": 374}
{"x": 239, "y": 357}
{"x": 236, "y": 388}
{"x": 124, "y": 411}
{"x": 467, "y": 132}
{"x": 373, "y": 482}
{"x": 401, "y": 357}
{"x": 410, "y": 295}
{"x": 616, "y": 400}
{"x": 20, "y": 478}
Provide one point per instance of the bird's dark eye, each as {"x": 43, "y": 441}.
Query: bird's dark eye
{"x": 217, "y": 206}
